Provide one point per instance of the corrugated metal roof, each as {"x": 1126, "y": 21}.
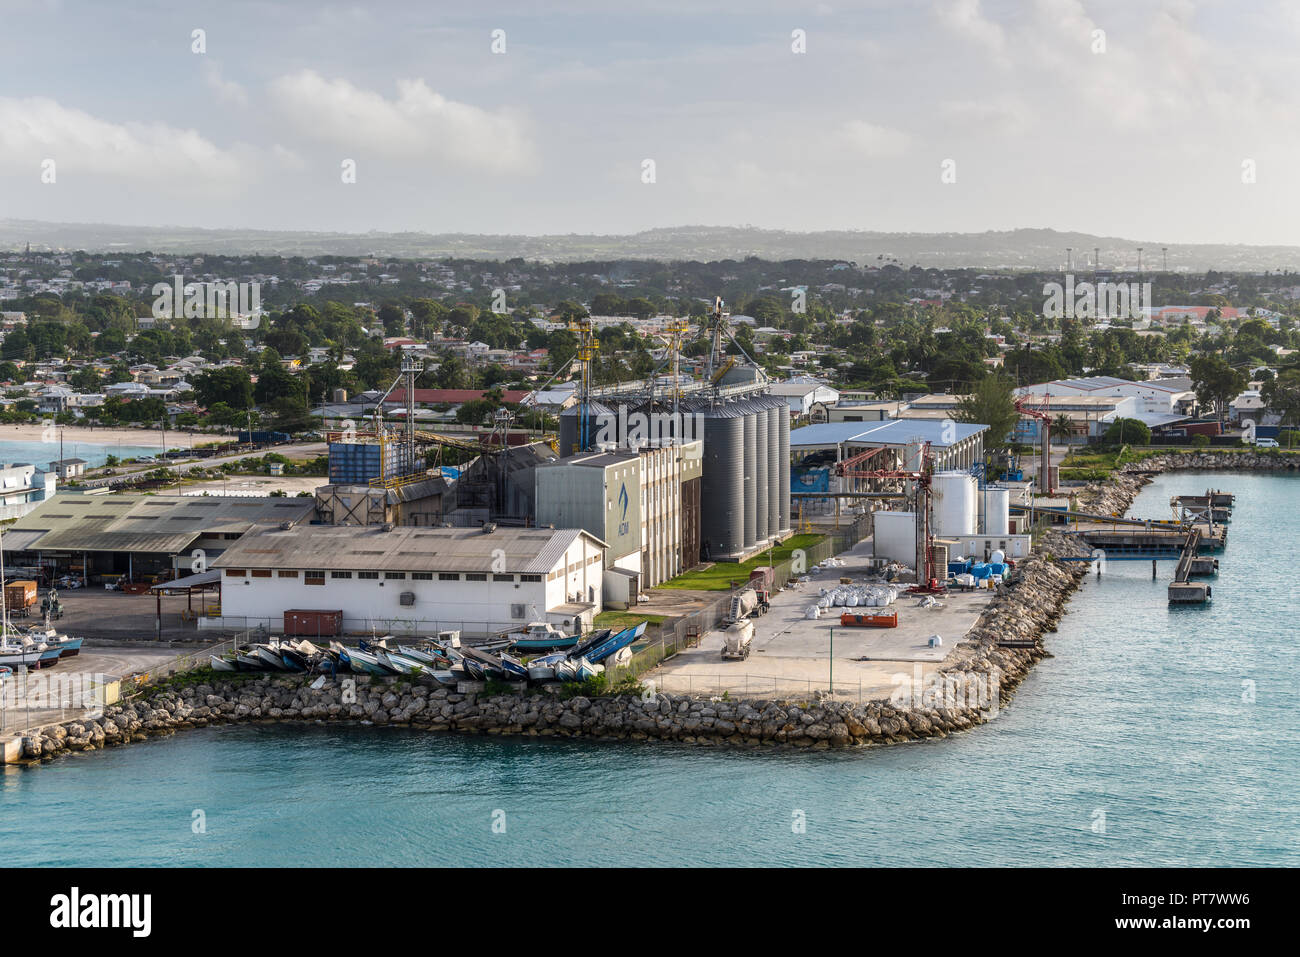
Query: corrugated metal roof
{"x": 896, "y": 432}
{"x": 144, "y": 523}
{"x": 533, "y": 551}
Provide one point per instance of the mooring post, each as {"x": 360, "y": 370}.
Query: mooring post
{"x": 1153, "y": 569}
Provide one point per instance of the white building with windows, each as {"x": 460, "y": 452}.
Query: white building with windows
{"x": 413, "y": 580}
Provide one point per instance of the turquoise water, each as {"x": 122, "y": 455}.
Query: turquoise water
{"x": 1140, "y": 716}
{"x": 43, "y": 453}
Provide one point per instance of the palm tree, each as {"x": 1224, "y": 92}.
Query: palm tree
{"x": 1063, "y": 426}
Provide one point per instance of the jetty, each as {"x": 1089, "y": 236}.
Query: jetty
{"x": 1200, "y": 526}
{"x": 1182, "y": 590}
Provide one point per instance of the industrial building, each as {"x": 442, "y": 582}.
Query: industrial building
{"x": 645, "y": 503}
{"x": 896, "y": 443}
{"x": 134, "y": 536}
{"x": 413, "y": 580}
{"x": 419, "y": 503}
{"x": 744, "y": 476}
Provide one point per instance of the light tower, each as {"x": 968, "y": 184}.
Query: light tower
{"x": 586, "y": 352}
{"x": 678, "y": 327}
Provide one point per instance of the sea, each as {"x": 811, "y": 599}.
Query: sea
{"x": 1153, "y": 736}
{"x": 95, "y": 453}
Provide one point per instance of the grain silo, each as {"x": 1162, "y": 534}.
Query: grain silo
{"x": 762, "y": 491}
{"x": 572, "y": 439}
{"x": 785, "y": 472}
{"x": 722, "y": 494}
{"x": 750, "y": 416}
{"x": 777, "y": 410}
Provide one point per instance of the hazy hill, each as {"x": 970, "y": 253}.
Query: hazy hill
{"x": 1012, "y": 249}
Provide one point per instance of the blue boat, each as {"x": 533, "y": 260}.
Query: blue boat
{"x": 615, "y": 644}
{"x": 514, "y": 669}
{"x": 585, "y": 669}
{"x": 595, "y": 638}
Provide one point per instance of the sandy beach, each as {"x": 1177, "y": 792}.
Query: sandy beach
{"x": 77, "y": 434}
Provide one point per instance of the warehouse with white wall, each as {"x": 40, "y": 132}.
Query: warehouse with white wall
{"x": 413, "y": 580}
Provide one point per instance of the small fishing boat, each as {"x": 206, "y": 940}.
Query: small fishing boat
{"x": 473, "y": 669}
{"x": 585, "y": 669}
{"x": 364, "y": 663}
{"x": 543, "y": 668}
{"x": 490, "y": 665}
{"x": 399, "y": 664}
{"x": 595, "y": 638}
{"x": 15, "y": 654}
{"x": 418, "y": 654}
{"x": 542, "y": 636}
{"x": 446, "y": 677}
{"x": 248, "y": 661}
{"x": 269, "y": 655}
{"x": 615, "y": 643}
{"x": 223, "y": 664}
{"x": 514, "y": 668}
{"x": 566, "y": 670}
{"x": 293, "y": 658}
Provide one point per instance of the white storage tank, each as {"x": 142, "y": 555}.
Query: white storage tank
{"x": 997, "y": 509}
{"x": 895, "y": 536}
{"x": 954, "y": 504}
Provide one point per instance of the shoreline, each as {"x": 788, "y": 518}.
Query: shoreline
{"x": 1024, "y": 612}
{"x": 105, "y": 436}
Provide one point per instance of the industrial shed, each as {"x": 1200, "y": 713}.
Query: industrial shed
{"x": 136, "y": 536}
{"x": 410, "y": 580}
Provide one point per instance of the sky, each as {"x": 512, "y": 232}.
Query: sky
{"x": 1165, "y": 119}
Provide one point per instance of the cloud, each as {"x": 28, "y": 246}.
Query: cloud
{"x": 870, "y": 140}
{"x": 228, "y": 91}
{"x": 966, "y": 18}
{"x": 37, "y": 128}
{"x": 419, "y": 123}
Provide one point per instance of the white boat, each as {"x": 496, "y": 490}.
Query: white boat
{"x": 223, "y": 664}
{"x": 566, "y": 670}
{"x": 399, "y": 662}
{"x": 543, "y": 668}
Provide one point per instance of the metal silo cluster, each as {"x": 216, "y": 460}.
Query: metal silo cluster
{"x": 745, "y": 482}
{"x": 745, "y": 493}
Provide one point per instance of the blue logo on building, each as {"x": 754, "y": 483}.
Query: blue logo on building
{"x": 623, "y": 502}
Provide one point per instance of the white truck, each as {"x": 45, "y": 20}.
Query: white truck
{"x": 737, "y": 640}
{"x": 746, "y": 603}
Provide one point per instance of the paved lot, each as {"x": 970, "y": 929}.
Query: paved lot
{"x": 70, "y": 688}
{"x": 792, "y": 652}
{"x": 94, "y": 612}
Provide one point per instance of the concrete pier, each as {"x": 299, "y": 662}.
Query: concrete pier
{"x": 1188, "y": 593}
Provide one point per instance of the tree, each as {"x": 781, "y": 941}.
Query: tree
{"x": 229, "y": 386}
{"x": 1063, "y": 426}
{"x": 1215, "y": 382}
{"x": 991, "y": 404}
{"x": 1282, "y": 395}
{"x": 1128, "y": 432}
